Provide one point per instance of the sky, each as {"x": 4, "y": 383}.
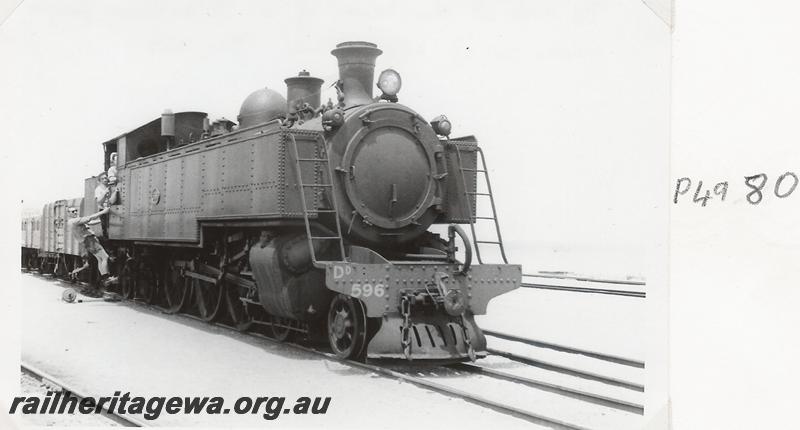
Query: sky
{"x": 569, "y": 99}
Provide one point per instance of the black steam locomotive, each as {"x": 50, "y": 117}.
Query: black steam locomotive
{"x": 306, "y": 219}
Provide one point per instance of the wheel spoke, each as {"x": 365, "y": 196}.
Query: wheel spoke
{"x": 347, "y": 327}
{"x": 237, "y": 309}
{"x": 209, "y": 300}
{"x": 175, "y": 290}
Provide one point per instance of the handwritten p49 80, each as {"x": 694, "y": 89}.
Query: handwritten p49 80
{"x": 757, "y": 189}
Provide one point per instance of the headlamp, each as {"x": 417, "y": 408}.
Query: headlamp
{"x": 389, "y": 82}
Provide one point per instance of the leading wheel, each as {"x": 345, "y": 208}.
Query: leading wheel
{"x": 347, "y": 327}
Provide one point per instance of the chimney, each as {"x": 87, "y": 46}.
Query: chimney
{"x": 356, "y": 71}
{"x": 303, "y": 88}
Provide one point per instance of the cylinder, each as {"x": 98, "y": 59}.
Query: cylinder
{"x": 287, "y": 287}
{"x": 303, "y": 88}
{"x": 356, "y": 71}
{"x": 168, "y": 124}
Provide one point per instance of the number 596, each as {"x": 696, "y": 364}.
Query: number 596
{"x": 366, "y": 290}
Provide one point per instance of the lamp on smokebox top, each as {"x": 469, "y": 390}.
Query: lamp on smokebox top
{"x": 389, "y": 82}
{"x": 441, "y": 125}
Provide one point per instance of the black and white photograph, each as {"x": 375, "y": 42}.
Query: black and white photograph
{"x": 262, "y": 214}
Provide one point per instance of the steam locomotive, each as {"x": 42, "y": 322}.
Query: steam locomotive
{"x": 307, "y": 220}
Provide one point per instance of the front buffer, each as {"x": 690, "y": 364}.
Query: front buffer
{"x": 418, "y": 310}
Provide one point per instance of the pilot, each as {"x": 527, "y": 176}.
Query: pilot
{"x": 81, "y": 231}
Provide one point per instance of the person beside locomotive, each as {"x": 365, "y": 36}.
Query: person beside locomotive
{"x": 112, "y": 169}
{"x": 106, "y": 194}
{"x": 79, "y": 227}
{"x": 101, "y": 193}
{"x": 111, "y": 180}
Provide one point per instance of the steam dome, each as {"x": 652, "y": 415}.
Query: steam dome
{"x": 261, "y": 106}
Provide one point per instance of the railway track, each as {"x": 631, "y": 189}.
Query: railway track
{"x": 572, "y": 350}
{"x": 40, "y": 375}
{"x": 584, "y": 278}
{"x": 565, "y": 369}
{"x": 560, "y": 389}
{"x": 624, "y": 293}
{"x": 468, "y": 396}
{"x": 585, "y": 289}
{"x": 568, "y": 370}
{"x": 554, "y": 388}
{"x": 473, "y": 398}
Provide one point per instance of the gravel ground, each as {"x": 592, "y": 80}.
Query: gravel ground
{"x": 30, "y": 386}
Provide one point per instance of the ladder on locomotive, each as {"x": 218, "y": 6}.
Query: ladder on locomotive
{"x": 480, "y": 169}
{"x": 321, "y": 157}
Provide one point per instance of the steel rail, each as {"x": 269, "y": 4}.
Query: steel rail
{"x": 583, "y": 278}
{"x": 627, "y": 293}
{"x": 554, "y": 388}
{"x": 562, "y": 348}
{"x": 568, "y": 370}
{"x": 43, "y": 376}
